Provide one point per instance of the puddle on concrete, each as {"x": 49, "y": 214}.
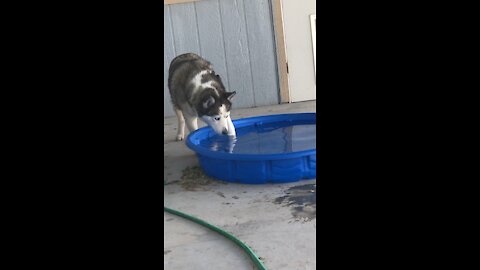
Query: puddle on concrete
{"x": 302, "y": 200}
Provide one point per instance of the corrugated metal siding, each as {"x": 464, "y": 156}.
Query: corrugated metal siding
{"x": 236, "y": 36}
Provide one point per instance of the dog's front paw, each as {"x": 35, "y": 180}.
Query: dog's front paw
{"x": 180, "y": 137}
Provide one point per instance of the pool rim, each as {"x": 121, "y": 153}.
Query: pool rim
{"x": 248, "y": 121}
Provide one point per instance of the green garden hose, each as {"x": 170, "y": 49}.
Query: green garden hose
{"x": 247, "y": 249}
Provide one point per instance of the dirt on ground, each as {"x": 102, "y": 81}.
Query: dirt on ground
{"x": 193, "y": 178}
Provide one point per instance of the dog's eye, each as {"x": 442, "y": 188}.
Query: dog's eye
{"x": 217, "y": 118}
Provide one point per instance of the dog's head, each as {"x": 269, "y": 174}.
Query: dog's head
{"x": 215, "y": 111}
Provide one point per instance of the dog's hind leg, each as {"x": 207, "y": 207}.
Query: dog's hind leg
{"x": 181, "y": 125}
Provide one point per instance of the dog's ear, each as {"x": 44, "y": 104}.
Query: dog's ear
{"x": 230, "y": 95}
{"x": 208, "y": 102}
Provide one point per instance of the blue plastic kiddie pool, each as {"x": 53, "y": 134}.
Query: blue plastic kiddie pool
{"x": 275, "y": 148}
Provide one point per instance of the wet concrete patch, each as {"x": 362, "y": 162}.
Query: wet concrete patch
{"x": 302, "y": 201}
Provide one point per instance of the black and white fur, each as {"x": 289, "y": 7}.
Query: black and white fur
{"x": 197, "y": 92}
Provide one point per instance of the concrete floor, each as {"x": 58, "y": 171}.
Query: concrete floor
{"x": 268, "y": 218}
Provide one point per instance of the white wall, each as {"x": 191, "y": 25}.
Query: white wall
{"x": 298, "y": 39}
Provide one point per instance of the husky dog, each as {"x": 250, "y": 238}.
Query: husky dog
{"x": 197, "y": 92}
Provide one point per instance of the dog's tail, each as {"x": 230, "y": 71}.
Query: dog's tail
{"x": 185, "y": 57}
{"x": 189, "y": 57}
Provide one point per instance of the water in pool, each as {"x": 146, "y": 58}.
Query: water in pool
{"x": 265, "y": 139}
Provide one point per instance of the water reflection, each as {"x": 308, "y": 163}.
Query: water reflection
{"x": 265, "y": 139}
{"x": 226, "y": 145}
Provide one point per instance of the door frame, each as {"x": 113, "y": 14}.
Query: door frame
{"x": 281, "y": 50}
{"x": 313, "y": 26}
